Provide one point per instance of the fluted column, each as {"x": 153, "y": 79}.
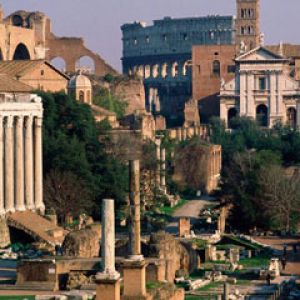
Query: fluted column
{"x": 2, "y": 207}
{"x": 9, "y": 165}
{"x": 19, "y": 164}
{"x": 38, "y": 166}
{"x": 29, "y": 163}
{"x": 163, "y": 170}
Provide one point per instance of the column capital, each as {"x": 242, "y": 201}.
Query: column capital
{"x": 28, "y": 121}
{"x": 9, "y": 122}
{"x": 38, "y": 122}
{"x": 20, "y": 120}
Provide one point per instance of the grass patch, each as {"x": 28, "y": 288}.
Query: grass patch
{"x": 154, "y": 285}
{"x": 191, "y": 297}
{"x": 255, "y": 262}
{"x": 230, "y": 239}
{"x": 210, "y": 286}
{"x": 167, "y": 210}
{"x": 200, "y": 244}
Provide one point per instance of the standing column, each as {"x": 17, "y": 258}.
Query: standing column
{"x": 2, "y": 207}
{"x": 108, "y": 281}
{"x": 29, "y": 163}
{"x": 157, "y": 175}
{"x": 135, "y": 210}
{"x": 38, "y": 164}
{"x": 19, "y": 165}
{"x": 134, "y": 268}
{"x": 9, "y": 164}
{"x": 163, "y": 170}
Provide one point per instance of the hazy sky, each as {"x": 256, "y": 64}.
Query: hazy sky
{"x": 99, "y": 21}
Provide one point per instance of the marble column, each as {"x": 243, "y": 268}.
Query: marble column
{"x": 38, "y": 164}
{"x": 19, "y": 164}
{"x": 29, "y": 163}
{"x": 2, "y": 207}
{"x": 9, "y": 164}
{"x": 108, "y": 237}
{"x": 108, "y": 281}
{"x": 163, "y": 170}
{"x": 157, "y": 175}
{"x": 135, "y": 210}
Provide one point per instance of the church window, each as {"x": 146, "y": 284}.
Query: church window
{"x": 216, "y": 68}
{"x": 262, "y": 83}
{"x": 231, "y": 69}
{"x": 42, "y": 72}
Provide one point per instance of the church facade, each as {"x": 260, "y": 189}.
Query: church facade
{"x": 262, "y": 89}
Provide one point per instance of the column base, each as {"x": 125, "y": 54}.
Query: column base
{"x": 20, "y": 208}
{"x": 108, "y": 286}
{"x": 2, "y": 212}
{"x": 134, "y": 273}
{"x": 40, "y": 209}
{"x": 10, "y": 210}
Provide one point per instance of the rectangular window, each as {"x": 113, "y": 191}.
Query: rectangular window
{"x": 262, "y": 84}
{"x": 231, "y": 69}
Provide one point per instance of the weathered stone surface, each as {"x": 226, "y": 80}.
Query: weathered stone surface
{"x": 4, "y": 233}
{"x": 83, "y": 243}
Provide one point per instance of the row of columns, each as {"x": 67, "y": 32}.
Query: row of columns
{"x": 21, "y": 178}
{"x": 160, "y": 166}
{"x": 184, "y": 133}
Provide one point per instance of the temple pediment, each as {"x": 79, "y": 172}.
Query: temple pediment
{"x": 260, "y": 54}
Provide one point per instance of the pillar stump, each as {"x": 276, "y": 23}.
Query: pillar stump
{"x": 107, "y": 287}
{"x": 134, "y": 275}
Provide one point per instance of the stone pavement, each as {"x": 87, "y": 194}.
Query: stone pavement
{"x": 293, "y": 259}
{"x": 191, "y": 210}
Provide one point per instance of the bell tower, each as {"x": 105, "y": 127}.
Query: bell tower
{"x": 248, "y": 24}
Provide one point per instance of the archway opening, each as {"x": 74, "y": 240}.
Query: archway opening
{"x": 81, "y": 96}
{"x": 59, "y": 63}
{"x": 291, "y": 116}
{"x": 85, "y": 65}
{"x": 17, "y": 21}
{"x": 1, "y": 55}
{"x": 21, "y": 53}
{"x": 262, "y": 115}
{"x": 175, "y": 70}
{"x": 232, "y": 113}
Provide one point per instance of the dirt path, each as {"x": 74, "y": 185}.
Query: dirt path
{"x": 293, "y": 259}
{"x": 189, "y": 210}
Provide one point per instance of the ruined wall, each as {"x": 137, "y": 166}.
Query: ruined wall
{"x": 4, "y": 233}
{"x": 130, "y": 90}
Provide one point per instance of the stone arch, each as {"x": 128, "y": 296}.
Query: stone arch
{"x": 175, "y": 69}
{"x": 262, "y": 115}
{"x": 185, "y": 69}
{"x": 147, "y": 71}
{"x": 21, "y": 52}
{"x": 86, "y": 65}
{"x": 216, "y": 68}
{"x": 17, "y": 20}
{"x": 155, "y": 71}
{"x": 59, "y": 63}
{"x": 291, "y": 117}
{"x": 164, "y": 70}
{"x": 232, "y": 113}
{"x": 81, "y": 97}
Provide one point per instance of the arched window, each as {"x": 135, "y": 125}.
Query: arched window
{"x": 164, "y": 70}
{"x": 86, "y": 65}
{"x": 185, "y": 69}
{"x": 291, "y": 116}
{"x": 81, "y": 96}
{"x": 21, "y": 53}
{"x": 17, "y": 21}
{"x": 147, "y": 71}
{"x": 59, "y": 63}
{"x": 155, "y": 71}
{"x": 262, "y": 117}
{"x": 175, "y": 69}
{"x": 216, "y": 68}
{"x": 232, "y": 113}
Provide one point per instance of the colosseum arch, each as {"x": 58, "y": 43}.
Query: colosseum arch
{"x": 175, "y": 68}
{"x": 164, "y": 70}
{"x": 21, "y": 52}
{"x": 85, "y": 64}
{"x": 17, "y": 20}
{"x": 59, "y": 63}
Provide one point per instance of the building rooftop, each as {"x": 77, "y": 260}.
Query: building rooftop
{"x": 11, "y": 85}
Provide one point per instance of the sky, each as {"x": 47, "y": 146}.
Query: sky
{"x": 99, "y": 21}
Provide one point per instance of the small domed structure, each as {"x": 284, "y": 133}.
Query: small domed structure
{"x": 80, "y": 87}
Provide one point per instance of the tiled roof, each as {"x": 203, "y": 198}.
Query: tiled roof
{"x": 11, "y": 85}
{"x": 18, "y": 68}
{"x": 288, "y": 50}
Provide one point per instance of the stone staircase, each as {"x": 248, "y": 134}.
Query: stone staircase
{"x": 38, "y": 227}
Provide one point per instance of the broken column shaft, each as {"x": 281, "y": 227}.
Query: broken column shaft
{"x": 135, "y": 209}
